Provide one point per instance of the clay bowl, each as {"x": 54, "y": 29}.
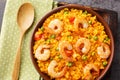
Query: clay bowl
{"x": 99, "y": 18}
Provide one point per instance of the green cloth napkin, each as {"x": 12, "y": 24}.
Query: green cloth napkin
{"x": 10, "y": 35}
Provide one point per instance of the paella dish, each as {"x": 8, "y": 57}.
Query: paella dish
{"x": 72, "y": 45}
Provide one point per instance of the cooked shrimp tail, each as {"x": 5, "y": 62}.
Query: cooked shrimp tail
{"x": 77, "y": 23}
{"x": 66, "y": 50}
{"x": 55, "y": 26}
{"x": 83, "y": 45}
{"x": 103, "y": 51}
{"x": 43, "y": 52}
{"x": 87, "y": 71}
{"x": 52, "y": 72}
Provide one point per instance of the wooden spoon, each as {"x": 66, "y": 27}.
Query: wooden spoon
{"x": 25, "y": 19}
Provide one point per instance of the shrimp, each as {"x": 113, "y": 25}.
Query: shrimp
{"x": 64, "y": 45}
{"x": 52, "y": 72}
{"x": 80, "y": 23}
{"x": 43, "y": 52}
{"x": 90, "y": 70}
{"x": 103, "y": 50}
{"x": 55, "y": 26}
{"x": 84, "y": 43}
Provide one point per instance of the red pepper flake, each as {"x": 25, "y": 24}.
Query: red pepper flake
{"x": 37, "y": 36}
{"x": 71, "y": 19}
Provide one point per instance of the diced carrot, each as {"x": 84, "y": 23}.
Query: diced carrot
{"x": 58, "y": 38}
{"x": 37, "y": 36}
{"x": 68, "y": 52}
{"x": 71, "y": 19}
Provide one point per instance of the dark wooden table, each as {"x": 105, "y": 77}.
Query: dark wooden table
{"x": 114, "y": 71}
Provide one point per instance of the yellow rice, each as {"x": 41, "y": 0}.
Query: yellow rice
{"x": 95, "y": 28}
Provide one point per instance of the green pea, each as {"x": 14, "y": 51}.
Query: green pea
{"x": 90, "y": 22}
{"x": 85, "y": 12}
{"x": 42, "y": 28}
{"x": 60, "y": 56}
{"x": 105, "y": 63}
{"x": 89, "y": 37}
{"x": 84, "y": 57}
{"x": 106, "y": 39}
{"x": 57, "y": 49}
{"x": 48, "y": 40}
{"x": 66, "y": 12}
{"x": 53, "y": 36}
{"x": 69, "y": 64}
{"x": 95, "y": 38}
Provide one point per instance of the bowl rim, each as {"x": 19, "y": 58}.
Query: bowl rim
{"x": 75, "y": 6}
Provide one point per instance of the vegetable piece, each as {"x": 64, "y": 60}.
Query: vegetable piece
{"x": 60, "y": 56}
{"x": 57, "y": 49}
{"x": 90, "y": 22}
{"x": 53, "y": 36}
{"x": 58, "y": 37}
{"x": 66, "y": 12}
{"x": 85, "y": 12}
{"x": 106, "y": 39}
{"x": 89, "y": 37}
{"x": 68, "y": 52}
{"x": 95, "y": 38}
{"x": 105, "y": 63}
{"x": 69, "y": 64}
{"x": 37, "y": 36}
{"x": 84, "y": 57}
{"x": 48, "y": 41}
{"x": 71, "y": 19}
{"x": 42, "y": 28}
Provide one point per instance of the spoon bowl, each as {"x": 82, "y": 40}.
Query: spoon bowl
{"x": 25, "y": 19}
{"x": 25, "y": 16}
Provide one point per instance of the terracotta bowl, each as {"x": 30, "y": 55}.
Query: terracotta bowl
{"x": 99, "y": 18}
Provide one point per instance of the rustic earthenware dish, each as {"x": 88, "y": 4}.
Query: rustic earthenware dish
{"x": 99, "y": 18}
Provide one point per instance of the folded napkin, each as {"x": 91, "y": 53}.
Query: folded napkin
{"x": 10, "y": 35}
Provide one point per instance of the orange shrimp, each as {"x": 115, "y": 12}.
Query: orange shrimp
{"x": 52, "y": 72}
{"x": 103, "y": 50}
{"x": 43, "y": 52}
{"x": 66, "y": 50}
{"x": 55, "y": 26}
{"x": 86, "y": 45}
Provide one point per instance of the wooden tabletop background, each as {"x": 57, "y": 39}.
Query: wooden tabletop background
{"x": 114, "y": 71}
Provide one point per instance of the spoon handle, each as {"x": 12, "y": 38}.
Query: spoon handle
{"x": 16, "y": 67}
